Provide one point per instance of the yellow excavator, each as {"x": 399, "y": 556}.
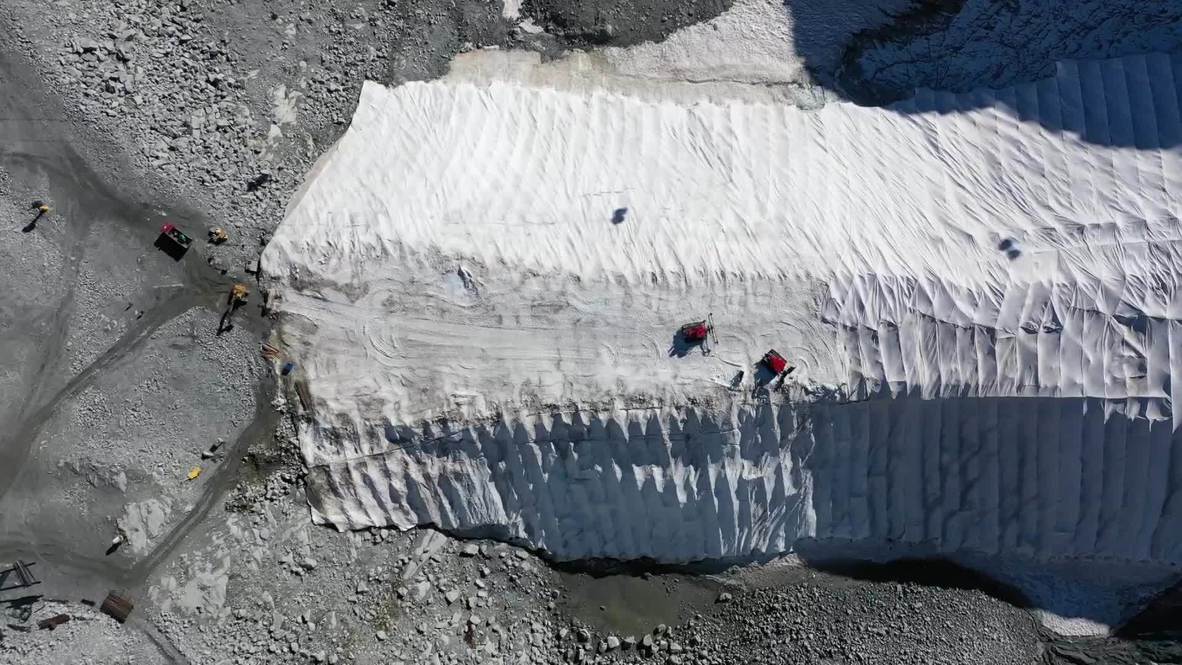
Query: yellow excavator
{"x": 238, "y": 295}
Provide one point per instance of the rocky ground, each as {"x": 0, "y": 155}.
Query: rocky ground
{"x": 208, "y": 112}
{"x": 88, "y": 637}
{"x": 798, "y": 616}
{"x": 268, "y": 586}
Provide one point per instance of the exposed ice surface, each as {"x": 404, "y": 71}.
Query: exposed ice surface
{"x": 985, "y": 308}
{"x": 977, "y": 47}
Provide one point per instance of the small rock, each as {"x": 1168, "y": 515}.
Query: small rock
{"x": 451, "y": 596}
{"x": 258, "y": 181}
{"x": 381, "y": 636}
{"x": 583, "y": 635}
{"x": 724, "y": 597}
{"x": 422, "y": 589}
{"x": 613, "y": 643}
{"x": 470, "y": 550}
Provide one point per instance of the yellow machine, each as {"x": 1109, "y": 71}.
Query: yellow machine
{"x": 238, "y": 294}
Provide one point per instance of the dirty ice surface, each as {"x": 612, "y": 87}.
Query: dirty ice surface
{"x": 508, "y": 252}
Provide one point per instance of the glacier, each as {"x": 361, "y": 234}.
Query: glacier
{"x": 984, "y": 308}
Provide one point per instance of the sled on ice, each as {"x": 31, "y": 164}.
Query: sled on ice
{"x": 698, "y": 333}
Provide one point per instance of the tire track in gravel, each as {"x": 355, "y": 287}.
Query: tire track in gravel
{"x": 263, "y": 424}
{"x": 19, "y": 443}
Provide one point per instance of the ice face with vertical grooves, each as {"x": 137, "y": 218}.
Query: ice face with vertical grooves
{"x": 678, "y": 484}
{"x": 982, "y": 296}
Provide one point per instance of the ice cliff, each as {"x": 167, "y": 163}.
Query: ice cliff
{"x": 1036, "y": 476}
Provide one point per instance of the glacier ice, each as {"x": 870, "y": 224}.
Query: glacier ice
{"x": 985, "y": 308}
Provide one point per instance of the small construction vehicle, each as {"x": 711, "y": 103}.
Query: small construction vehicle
{"x": 776, "y": 364}
{"x": 218, "y": 236}
{"x": 173, "y": 241}
{"x": 699, "y": 333}
{"x": 238, "y": 294}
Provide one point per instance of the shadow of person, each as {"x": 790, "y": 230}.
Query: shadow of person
{"x": 737, "y": 380}
{"x": 33, "y": 223}
{"x": 618, "y": 215}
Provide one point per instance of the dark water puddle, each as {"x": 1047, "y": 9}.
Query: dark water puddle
{"x": 634, "y": 604}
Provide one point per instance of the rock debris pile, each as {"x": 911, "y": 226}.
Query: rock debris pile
{"x": 86, "y": 638}
{"x": 226, "y": 104}
{"x": 844, "y": 621}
